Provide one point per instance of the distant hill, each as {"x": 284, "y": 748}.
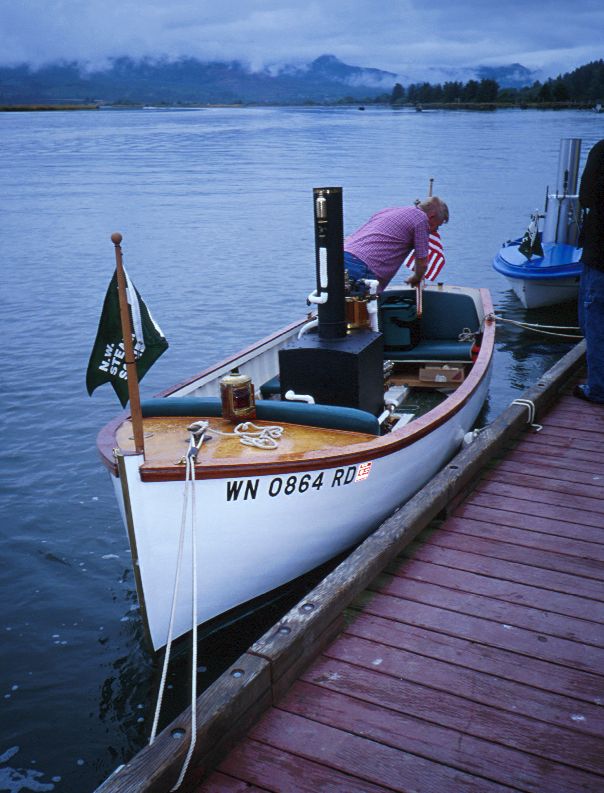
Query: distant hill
{"x": 188, "y": 80}
{"x": 513, "y": 76}
{"x": 325, "y": 80}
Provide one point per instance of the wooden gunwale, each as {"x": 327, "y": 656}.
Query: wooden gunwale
{"x": 363, "y": 452}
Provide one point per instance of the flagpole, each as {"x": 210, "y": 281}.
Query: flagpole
{"x": 418, "y": 288}
{"x": 133, "y": 392}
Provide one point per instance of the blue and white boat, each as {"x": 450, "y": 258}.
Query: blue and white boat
{"x": 544, "y": 266}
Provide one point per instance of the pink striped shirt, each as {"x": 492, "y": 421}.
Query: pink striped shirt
{"x": 387, "y": 238}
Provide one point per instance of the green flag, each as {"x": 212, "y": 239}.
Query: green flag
{"x": 108, "y": 358}
{"x": 530, "y": 244}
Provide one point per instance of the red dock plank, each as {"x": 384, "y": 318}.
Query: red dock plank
{"x": 501, "y": 518}
{"x": 549, "y": 483}
{"x": 505, "y": 635}
{"x": 567, "y": 447}
{"x": 382, "y": 721}
{"x": 220, "y": 783}
{"x": 586, "y": 510}
{"x": 501, "y": 664}
{"x": 397, "y": 700}
{"x": 516, "y": 699}
{"x": 531, "y": 557}
{"x": 502, "y": 589}
{"x": 524, "y": 463}
{"x": 557, "y": 541}
{"x": 475, "y": 662}
{"x": 539, "y": 620}
{"x": 519, "y": 571}
{"x": 574, "y": 437}
{"x": 572, "y": 423}
{"x": 362, "y": 756}
{"x": 272, "y": 767}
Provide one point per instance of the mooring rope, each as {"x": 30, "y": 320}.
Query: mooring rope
{"x": 545, "y": 330}
{"x": 467, "y": 335}
{"x": 189, "y": 486}
{"x": 192, "y": 457}
{"x": 532, "y": 410}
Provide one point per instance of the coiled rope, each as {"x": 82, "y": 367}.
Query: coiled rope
{"x": 247, "y": 432}
{"x": 545, "y": 330}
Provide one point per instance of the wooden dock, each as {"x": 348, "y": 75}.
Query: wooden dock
{"x": 459, "y": 648}
{"x": 476, "y": 662}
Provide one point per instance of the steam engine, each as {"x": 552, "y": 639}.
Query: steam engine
{"x": 336, "y": 365}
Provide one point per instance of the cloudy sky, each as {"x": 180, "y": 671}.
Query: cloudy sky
{"x": 408, "y": 37}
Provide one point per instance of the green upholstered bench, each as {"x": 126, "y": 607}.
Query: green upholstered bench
{"x": 271, "y": 388}
{"x": 326, "y": 416}
{"x": 433, "y": 350}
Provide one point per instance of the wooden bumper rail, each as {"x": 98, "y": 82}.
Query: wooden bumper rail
{"x": 227, "y": 709}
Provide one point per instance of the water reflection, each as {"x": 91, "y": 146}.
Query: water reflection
{"x": 217, "y": 221}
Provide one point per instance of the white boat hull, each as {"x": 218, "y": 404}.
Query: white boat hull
{"x": 263, "y": 519}
{"x": 533, "y": 293}
{"x": 275, "y": 529}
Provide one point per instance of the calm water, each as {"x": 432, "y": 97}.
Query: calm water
{"x": 215, "y": 209}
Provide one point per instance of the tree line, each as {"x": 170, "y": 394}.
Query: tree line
{"x": 583, "y": 85}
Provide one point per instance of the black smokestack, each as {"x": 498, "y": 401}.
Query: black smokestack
{"x": 329, "y": 251}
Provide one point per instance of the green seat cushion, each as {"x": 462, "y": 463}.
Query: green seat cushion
{"x": 434, "y": 350}
{"x": 326, "y": 416}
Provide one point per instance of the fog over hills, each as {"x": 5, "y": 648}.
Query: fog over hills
{"x": 188, "y": 80}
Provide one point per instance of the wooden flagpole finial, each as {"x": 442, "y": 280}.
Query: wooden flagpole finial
{"x": 430, "y": 187}
{"x": 133, "y": 392}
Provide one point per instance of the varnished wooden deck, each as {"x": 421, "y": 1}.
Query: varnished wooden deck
{"x": 476, "y": 661}
{"x": 167, "y": 441}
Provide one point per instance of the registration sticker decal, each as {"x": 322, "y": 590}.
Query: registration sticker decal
{"x": 363, "y": 472}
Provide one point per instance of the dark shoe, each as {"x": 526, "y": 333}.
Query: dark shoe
{"x": 579, "y": 391}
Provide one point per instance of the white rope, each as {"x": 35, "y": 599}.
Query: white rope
{"x": 191, "y": 471}
{"x": 530, "y": 405}
{"x": 189, "y": 486}
{"x": 546, "y": 327}
{"x": 251, "y": 435}
{"x": 262, "y": 437}
{"x": 536, "y": 328}
{"x": 173, "y": 610}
